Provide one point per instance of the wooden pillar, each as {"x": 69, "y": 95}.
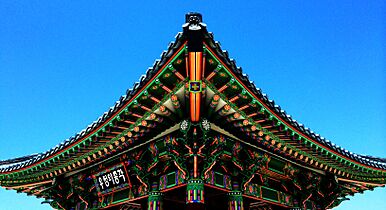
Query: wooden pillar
{"x": 195, "y": 192}
{"x": 235, "y": 198}
{"x": 155, "y": 199}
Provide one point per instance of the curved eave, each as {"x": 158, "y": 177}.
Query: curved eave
{"x": 307, "y": 137}
{"x": 79, "y": 140}
{"x": 337, "y": 153}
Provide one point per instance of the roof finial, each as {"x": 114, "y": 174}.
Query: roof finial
{"x": 193, "y": 18}
{"x": 193, "y": 21}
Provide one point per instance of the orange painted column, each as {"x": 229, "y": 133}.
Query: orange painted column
{"x": 195, "y": 84}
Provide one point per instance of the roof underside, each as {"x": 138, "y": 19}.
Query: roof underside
{"x": 144, "y": 107}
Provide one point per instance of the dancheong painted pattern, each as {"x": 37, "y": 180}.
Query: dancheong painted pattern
{"x": 194, "y": 133}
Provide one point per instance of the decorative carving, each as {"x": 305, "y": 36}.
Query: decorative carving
{"x": 254, "y": 164}
{"x": 67, "y": 193}
{"x": 193, "y": 22}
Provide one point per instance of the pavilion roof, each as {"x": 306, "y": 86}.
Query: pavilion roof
{"x": 22, "y": 163}
{"x": 18, "y": 163}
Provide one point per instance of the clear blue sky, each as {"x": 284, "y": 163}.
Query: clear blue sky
{"x": 63, "y": 64}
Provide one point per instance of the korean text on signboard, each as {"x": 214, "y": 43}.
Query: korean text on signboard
{"x": 111, "y": 179}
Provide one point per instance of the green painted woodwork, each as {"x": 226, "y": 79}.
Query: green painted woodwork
{"x": 269, "y": 194}
{"x": 272, "y": 116}
{"x": 266, "y": 132}
{"x": 219, "y": 179}
{"x": 169, "y": 159}
{"x": 77, "y": 146}
{"x": 224, "y": 77}
{"x": 121, "y": 196}
{"x": 276, "y": 165}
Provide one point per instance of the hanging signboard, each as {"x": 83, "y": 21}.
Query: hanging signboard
{"x": 111, "y": 179}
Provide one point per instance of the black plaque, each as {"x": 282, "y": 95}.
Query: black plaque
{"x": 111, "y": 179}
